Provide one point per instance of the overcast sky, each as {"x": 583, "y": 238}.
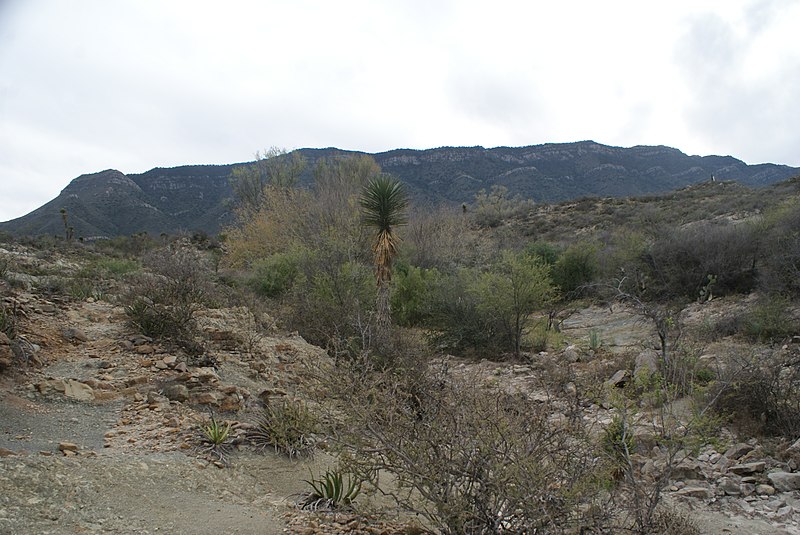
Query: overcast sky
{"x": 131, "y": 85}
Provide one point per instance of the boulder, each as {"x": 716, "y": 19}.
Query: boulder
{"x": 74, "y": 334}
{"x": 646, "y": 363}
{"x": 571, "y": 354}
{"x": 619, "y": 379}
{"x": 785, "y": 481}
{"x": 76, "y": 390}
{"x": 738, "y": 450}
{"x": 729, "y": 486}
{"x": 748, "y": 468}
{"x": 177, "y": 393}
{"x": 695, "y": 492}
{"x": 688, "y": 470}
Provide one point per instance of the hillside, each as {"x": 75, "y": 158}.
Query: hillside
{"x": 116, "y": 361}
{"x": 197, "y": 197}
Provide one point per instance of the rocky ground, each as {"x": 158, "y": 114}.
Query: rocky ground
{"x": 99, "y": 430}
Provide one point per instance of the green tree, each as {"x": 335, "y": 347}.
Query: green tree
{"x": 383, "y": 208}
{"x": 516, "y": 287}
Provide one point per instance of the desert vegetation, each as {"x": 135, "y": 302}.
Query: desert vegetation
{"x": 450, "y": 387}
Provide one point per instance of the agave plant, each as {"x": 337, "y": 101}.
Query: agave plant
{"x": 215, "y": 437}
{"x": 331, "y": 491}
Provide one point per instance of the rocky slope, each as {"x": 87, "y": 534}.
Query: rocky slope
{"x": 197, "y": 197}
{"x": 99, "y": 425}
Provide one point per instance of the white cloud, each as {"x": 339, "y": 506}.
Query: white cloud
{"x": 131, "y": 84}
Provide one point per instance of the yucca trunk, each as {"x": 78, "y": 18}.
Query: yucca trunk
{"x": 383, "y": 314}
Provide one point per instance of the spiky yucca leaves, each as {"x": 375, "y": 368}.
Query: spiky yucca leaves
{"x": 383, "y": 208}
{"x": 331, "y": 491}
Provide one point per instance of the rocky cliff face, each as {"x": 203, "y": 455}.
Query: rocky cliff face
{"x": 197, "y": 197}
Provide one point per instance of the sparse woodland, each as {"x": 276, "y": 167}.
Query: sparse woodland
{"x": 453, "y": 392}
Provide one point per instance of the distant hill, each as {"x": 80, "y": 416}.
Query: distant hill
{"x": 197, "y": 197}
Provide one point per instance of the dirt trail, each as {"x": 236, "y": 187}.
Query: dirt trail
{"x": 129, "y": 483}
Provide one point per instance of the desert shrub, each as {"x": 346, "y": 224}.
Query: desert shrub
{"x": 769, "y": 320}
{"x": 679, "y": 263}
{"x": 286, "y": 426}
{"x": 438, "y": 237}
{"x": 162, "y": 303}
{"x": 8, "y": 321}
{"x": 274, "y": 275}
{"x": 548, "y": 252}
{"x": 576, "y": 268}
{"x": 671, "y": 521}
{"x": 5, "y": 267}
{"x": 762, "y": 395}
{"x": 617, "y": 441}
{"x": 411, "y": 288}
{"x": 457, "y": 323}
{"x": 331, "y": 305}
{"x": 492, "y": 208}
{"x": 780, "y": 269}
{"x": 471, "y": 459}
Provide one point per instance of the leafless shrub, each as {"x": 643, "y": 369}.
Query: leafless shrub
{"x": 162, "y": 303}
{"x": 471, "y": 459}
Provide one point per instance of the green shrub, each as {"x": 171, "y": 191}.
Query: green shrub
{"x": 274, "y": 276}
{"x": 457, "y": 323}
{"x": 575, "y": 269}
{"x": 288, "y": 427}
{"x": 548, "y": 252}
{"x": 769, "y": 320}
{"x": 331, "y": 305}
{"x": 617, "y": 441}
{"x": 410, "y": 299}
{"x": 116, "y": 267}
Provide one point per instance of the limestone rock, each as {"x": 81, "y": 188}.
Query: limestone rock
{"x": 646, "y": 363}
{"x": 68, "y": 446}
{"x": 177, "y": 393}
{"x": 738, "y": 450}
{"x": 74, "y": 334}
{"x": 76, "y": 390}
{"x": 748, "y": 468}
{"x": 688, "y": 470}
{"x": 572, "y": 354}
{"x": 619, "y": 379}
{"x": 695, "y": 492}
{"x": 785, "y": 481}
{"x": 206, "y": 398}
{"x": 765, "y": 490}
{"x": 729, "y": 487}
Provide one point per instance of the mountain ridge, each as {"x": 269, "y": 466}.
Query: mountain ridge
{"x": 198, "y": 197}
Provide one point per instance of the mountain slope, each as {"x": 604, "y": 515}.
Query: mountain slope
{"x": 197, "y": 197}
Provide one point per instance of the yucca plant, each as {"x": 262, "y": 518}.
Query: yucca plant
{"x": 383, "y": 208}
{"x": 331, "y": 491}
